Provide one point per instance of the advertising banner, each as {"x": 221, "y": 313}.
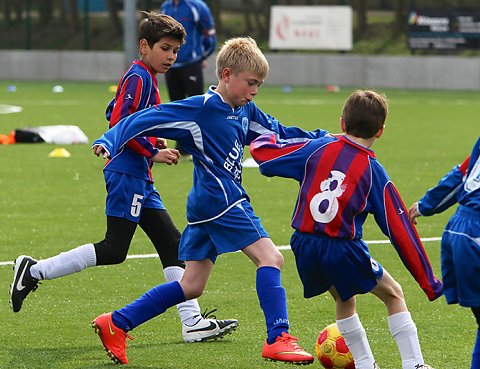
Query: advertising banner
{"x": 446, "y": 29}
{"x": 311, "y": 27}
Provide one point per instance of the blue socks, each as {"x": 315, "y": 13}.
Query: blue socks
{"x": 152, "y": 303}
{"x": 273, "y": 301}
{"x": 476, "y": 352}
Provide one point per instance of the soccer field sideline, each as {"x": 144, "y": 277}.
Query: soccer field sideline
{"x": 286, "y": 247}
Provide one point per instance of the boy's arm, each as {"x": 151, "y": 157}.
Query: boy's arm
{"x": 129, "y": 101}
{"x": 171, "y": 121}
{"x": 442, "y": 196}
{"x": 262, "y": 123}
{"x": 278, "y": 159}
{"x": 392, "y": 217}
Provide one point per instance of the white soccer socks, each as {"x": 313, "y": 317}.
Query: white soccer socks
{"x": 65, "y": 263}
{"x": 189, "y": 310}
{"x": 404, "y": 331}
{"x": 356, "y": 339}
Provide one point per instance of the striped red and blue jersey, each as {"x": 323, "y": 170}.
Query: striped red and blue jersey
{"x": 136, "y": 90}
{"x": 460, "y": 185}
{"x": 341, "y": 183}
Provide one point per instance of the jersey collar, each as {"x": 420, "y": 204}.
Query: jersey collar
{"x": 359, "y": 147}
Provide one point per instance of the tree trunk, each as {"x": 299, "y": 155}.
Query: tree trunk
{"x": 114, "y": 18}
{"x": 73, "y": 7}
{"x": 6, "y": 12}
{"x": 46, "y": 11}
{"x": 400, "y": 17}
{"x": 247, "y": 8}
{"x": 361, "y": 17}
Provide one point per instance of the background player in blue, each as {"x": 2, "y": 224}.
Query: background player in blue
{"x": 341, "y": 182}
{"x": 214, "y": 128}
{"x": 460, "y": 246}
{"x": 185, "y": 77}
{"x": 131, "y": 196}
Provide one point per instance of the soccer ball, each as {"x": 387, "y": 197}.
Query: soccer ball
{"x": 332, "y": 351}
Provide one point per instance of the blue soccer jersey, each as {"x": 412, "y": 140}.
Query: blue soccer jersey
{"x": 215, "y": 135}
{"x": 460, "y": 255}
{"x": 196, "y": 18}
{"x": 136, "y": 91}
{"x": 340, "y": 184}
{"x": 461, "y": 184}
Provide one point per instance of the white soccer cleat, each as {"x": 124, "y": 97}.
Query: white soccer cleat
{"x": 208, "y": 329}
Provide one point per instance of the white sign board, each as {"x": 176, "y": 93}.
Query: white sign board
{"x": 311, "y": 27}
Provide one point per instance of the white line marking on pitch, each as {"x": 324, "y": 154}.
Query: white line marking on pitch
{"x": 287, "y": 247}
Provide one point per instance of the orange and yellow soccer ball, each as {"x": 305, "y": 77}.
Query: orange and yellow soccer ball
{"x": 332, "y": 351}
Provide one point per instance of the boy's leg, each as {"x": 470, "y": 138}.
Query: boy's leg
{"x": 351, "y": 328}
{"x": 112, "y": 250}
{"x": 400, "y": 322}
{"x": 165, "y": 236}
{"x": 113, "y": 327}
{"x": 280, "y": 345}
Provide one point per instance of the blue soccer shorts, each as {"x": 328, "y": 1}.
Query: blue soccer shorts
{"x": 323, "y": 262}
{"x": 233, "y": 231}
{"x": 460, "y": 257}
{"x": 128, "y": 195}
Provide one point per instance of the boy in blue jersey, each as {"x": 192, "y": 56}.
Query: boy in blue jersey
{"x": 341, "y": 182}
{"x": 214, "y": 128}
{"x": 460, "y": 252}
{"x": 132, "y": 198}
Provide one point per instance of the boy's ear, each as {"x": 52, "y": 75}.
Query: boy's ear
{"x": 226, "y": 74}
{"x": 143, "y": 46}
{"x": 380, "y": 132}
{"x": 342, "y": 125}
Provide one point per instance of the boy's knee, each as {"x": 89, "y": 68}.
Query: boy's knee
{"x": 397, "y": 290}
{"x": 191, "y": 291}
{"x": 109, "y": 253}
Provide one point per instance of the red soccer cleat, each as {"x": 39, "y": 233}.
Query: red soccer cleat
{"x": 112, "y": 337}
{"x": 285, "y": 348}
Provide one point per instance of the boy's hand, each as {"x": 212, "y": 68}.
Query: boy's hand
{"x": 99, "y": 149}
{"x": 167, "y": 156}
{"x": 161, "y": 143}
{"x": 413, "y": 213}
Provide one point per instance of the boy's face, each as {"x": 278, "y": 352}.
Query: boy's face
{"x": 161, "y": 56}
{"x": 240, "y": 88}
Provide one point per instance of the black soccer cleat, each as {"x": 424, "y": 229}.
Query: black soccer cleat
{"x": 23, "y": 282}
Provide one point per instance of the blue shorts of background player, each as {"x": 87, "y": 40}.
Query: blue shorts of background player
{"x": 460, "y": 255}
{"x": 318, "y": 258}
{"x": 128, "y": 195}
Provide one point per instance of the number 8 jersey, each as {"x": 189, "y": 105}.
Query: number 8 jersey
{"x": 340, "y": 184}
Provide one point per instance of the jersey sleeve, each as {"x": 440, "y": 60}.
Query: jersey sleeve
{"x": 392, "y": 218}
{"x": 128, "y": 101}
{"x": 277, "y": 158}
{"x": 209, "y": 37}
{"x": 262, "y": 123}
{"x": 444, "y": 195}
{"x": 171, "y": 121}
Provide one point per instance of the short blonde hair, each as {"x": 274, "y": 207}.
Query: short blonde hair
{"x": 364, "y": 113}
{"x": 241, "y": 54}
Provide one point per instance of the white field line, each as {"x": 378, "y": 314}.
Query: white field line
{"x": 287, "y": 247}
